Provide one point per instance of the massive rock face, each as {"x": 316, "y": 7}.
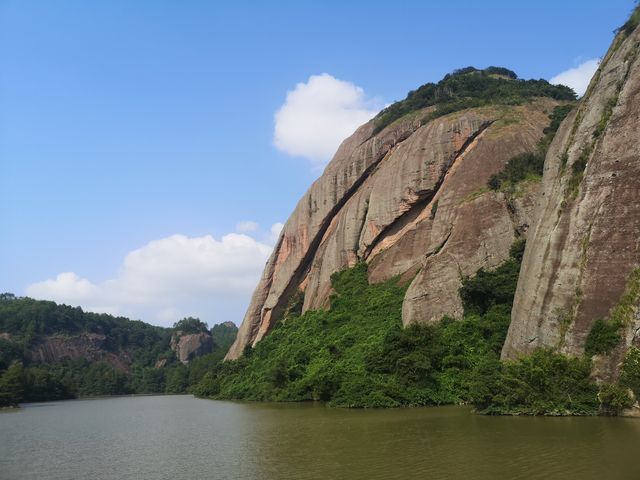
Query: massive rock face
{"x": 583, "y": 253}
{"x": 410, "y": 200}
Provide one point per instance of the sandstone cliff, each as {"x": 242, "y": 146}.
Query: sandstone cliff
{"x": 192, "y": 345}
{"x": 87, "y": 346}
{"x": 582, "y": 257}
{"x": 410, "y": 200}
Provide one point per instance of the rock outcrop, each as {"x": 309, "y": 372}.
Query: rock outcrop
{"x": 191, "y": 345}
{"x": 88, "y": 346}
{"x": 582, "y": 257}
{"x": 410, "y": 200}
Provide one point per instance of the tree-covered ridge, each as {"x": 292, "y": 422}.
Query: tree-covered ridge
{"x": 152, "y": 365}
{"x": 190, "y": 325}
{"x": 471, "y": 87}
{"x": 27, "y": 320}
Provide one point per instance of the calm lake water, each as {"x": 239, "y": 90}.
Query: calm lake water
{"x": 181, "y": 437}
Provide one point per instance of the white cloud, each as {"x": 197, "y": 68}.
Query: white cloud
{"x": 247, "y": 226}
{"x": 318, "y": 115}
{"x": 579, "y": 77}
{"x": 274, "y": 232}
{"x": 170, "y": 278}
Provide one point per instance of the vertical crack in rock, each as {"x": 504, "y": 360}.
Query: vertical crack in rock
{"x": 357, "y": 238}
{"x": 424, "y": 197}
{"x": 305, "y": 263}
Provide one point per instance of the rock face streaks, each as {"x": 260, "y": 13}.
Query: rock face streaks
{"x": 88, "y": 346}
{"x": 409, "y": 200}
{"x": 192, "y": 345}
{"x": 585, "y": 244}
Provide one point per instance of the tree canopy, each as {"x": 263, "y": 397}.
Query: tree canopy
{"x": 471, "y": 87}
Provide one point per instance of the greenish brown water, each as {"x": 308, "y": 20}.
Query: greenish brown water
{"x": 180, "y": 437}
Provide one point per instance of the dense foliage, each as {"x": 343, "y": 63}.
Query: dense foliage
{"x": 548, "y": 382}
{"x": 630, "y": 372}
{"x": 358, "y": 355}
{"x": 603, "y": 337}
{"x": 27, "y": 320}
{"x": 131, "y": 350}
{"x": 543, "y": 383}
{"x": 190, "y": 325}
{"x": 471, "y": 87}
{"x": 496, "y": 287}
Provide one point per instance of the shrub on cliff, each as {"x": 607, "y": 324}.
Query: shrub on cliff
{"x": 543, "y": 383}
{"x": 530, "y": 166}
{"x": 603, "y": 337}
{"x": 357, "y": 354}
{"x": 614, "y": 399}
{"x": 190, "y": 325}
{"x": 495, "y": 287}
{"x": 632, "y": 23}
{"x": 630, "y": 371}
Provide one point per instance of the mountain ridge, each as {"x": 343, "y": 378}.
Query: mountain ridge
{"x": 386, "y": 184}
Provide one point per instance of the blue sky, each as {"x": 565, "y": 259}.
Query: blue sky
{"x": 136, "y": 136}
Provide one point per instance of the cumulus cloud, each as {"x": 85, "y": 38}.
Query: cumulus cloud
{"x": 318, "y": 115}
{"x": 579, "y": 77}
{"x": 170, "y": 278}
{"x": 247, "y": 226}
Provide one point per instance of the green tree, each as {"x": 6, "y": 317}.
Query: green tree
{"x": 12, "y": 385}
{"x": 190, "y": 325}
{"x": 177, "y": 379}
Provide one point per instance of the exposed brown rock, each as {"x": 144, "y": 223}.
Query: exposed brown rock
{"x": 585, "y": 242}
{"x": 411, "y": 198}
{"x": 190, "y": 346}
{"x": 89, "y": 346}
{"x": 160, "y": 363}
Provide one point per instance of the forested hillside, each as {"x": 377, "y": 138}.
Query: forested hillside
{"x": 50, "y": 352}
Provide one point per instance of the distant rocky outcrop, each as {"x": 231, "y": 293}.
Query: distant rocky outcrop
{"x": 410, "y": 200}
{"x": 191, "y": 345}
{"x": 192, "y": 338}
{"x": 87, "y": 346}
{"x": 582, "y": 259}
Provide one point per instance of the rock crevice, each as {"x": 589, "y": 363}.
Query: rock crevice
{"x": 583, "y": 244}
{"x": 404, "y": 201}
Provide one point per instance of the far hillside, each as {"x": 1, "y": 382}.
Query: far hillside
{"x": 50, "y": 351}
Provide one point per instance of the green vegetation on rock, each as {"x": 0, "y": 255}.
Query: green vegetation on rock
{"x": 496, "y": 287}
{"x": 632, "y": 23}
{"x": 190, "y": 325}
{"x": 357, "y": 354}
{"x": 529, "y": 166}
{"x": 471, "y": 87}
{"x": 603, "y": 337}
{"x": 614, "y": 399}
{"x": 630, "y": 371}
{"x": 543, "y": 383}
